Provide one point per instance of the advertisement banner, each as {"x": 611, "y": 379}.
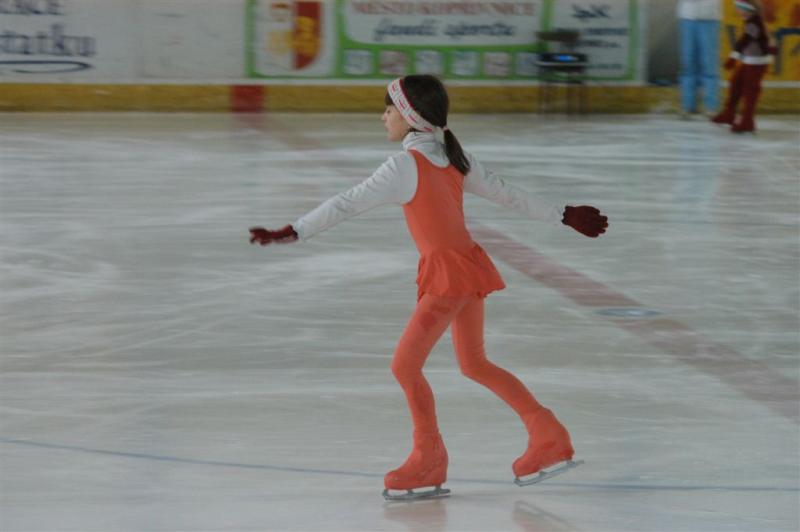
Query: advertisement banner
{"x": 782, "y": 18}
{"x": 609, "y": 35}
{"x": 63, "y": 40}
{"x": 290, "y": 38}
{"x": 465, "y": 40}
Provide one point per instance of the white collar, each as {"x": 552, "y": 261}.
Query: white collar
{"x": 427, "y": 145}
{"x": 416, "y": 140}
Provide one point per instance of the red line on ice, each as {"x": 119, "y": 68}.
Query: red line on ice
{"x": 752, "y": 378}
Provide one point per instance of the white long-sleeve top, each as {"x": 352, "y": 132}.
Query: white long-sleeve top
{"x": 395, "y": 182}
{"x": 699, "y": 9}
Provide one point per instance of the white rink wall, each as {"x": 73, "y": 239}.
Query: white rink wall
{"x": 121, "y": 40}
{"x": 233, "y": 41}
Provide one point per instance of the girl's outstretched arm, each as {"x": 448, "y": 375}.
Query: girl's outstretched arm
{"x": 484, "y": 183}
{"x": 585, "y": 219}
{"x": 391, "y": 183}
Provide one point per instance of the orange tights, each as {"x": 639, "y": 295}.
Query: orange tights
{"x": 430, "y": 320}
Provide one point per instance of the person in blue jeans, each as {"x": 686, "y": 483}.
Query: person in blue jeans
{"x": 699, "y": 40}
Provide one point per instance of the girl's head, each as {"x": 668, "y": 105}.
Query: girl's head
{"x": 420, "y": 103}
{"x": 748, "y": 8}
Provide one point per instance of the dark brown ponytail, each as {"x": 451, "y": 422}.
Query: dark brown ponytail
{"x": 455, "y": 154}
{"x": 428, "y": 97}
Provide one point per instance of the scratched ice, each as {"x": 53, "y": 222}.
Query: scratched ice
{"x": 159, "y": 373}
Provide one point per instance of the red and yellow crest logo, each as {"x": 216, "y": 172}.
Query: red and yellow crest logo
{"x": 296, "y": 33}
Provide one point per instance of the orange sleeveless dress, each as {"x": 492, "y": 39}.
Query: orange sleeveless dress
{"x": 451, "y": 264}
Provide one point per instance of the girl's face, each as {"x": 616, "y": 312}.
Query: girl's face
{"x": 396, "y": 126}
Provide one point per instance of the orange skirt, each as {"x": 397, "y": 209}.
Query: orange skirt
{"x": 453, "y": 273}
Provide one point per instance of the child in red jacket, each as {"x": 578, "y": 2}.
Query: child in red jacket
{"x": 753, "y": 54}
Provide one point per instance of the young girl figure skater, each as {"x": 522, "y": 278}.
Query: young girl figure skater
{"x": 749, "y": 60}
{"x": 428, "y": 179}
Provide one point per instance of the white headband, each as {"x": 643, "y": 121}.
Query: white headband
{"x": 412, "y": 117}
{"x": 745, "y": 6}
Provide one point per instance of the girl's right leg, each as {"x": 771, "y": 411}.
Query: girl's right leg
{"x": 468, "y": 342}
{"x": 549, "y": 442}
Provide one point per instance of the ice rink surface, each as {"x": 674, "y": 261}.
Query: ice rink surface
{"x": 159, "y": 373}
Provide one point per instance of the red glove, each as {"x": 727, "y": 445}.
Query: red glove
{"x": 284, "y": 235}
{"x": 729, "y": 63}
{"x": 586, "y": 220}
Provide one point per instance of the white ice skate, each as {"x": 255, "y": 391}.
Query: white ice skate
{"x": 543, "y": 475}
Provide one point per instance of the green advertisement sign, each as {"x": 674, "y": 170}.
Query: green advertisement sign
{"x": 484, "y": 40}
{"x": 478, "y": 41}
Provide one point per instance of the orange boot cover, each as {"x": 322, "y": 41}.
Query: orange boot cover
{"x": 425, "y": 466}
{"x": 548, "y": 444}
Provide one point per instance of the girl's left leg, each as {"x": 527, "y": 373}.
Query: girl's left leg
{"x": 427, "y": 463}
{"x": 427, "y": 324}
{"x": 548, "y": 441}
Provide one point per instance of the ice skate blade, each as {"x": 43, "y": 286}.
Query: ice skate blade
{"x": 544, "y": 475}
{"x": 412, "y": 495}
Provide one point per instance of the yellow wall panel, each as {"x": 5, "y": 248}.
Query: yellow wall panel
{"x": 348, "y": 98}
